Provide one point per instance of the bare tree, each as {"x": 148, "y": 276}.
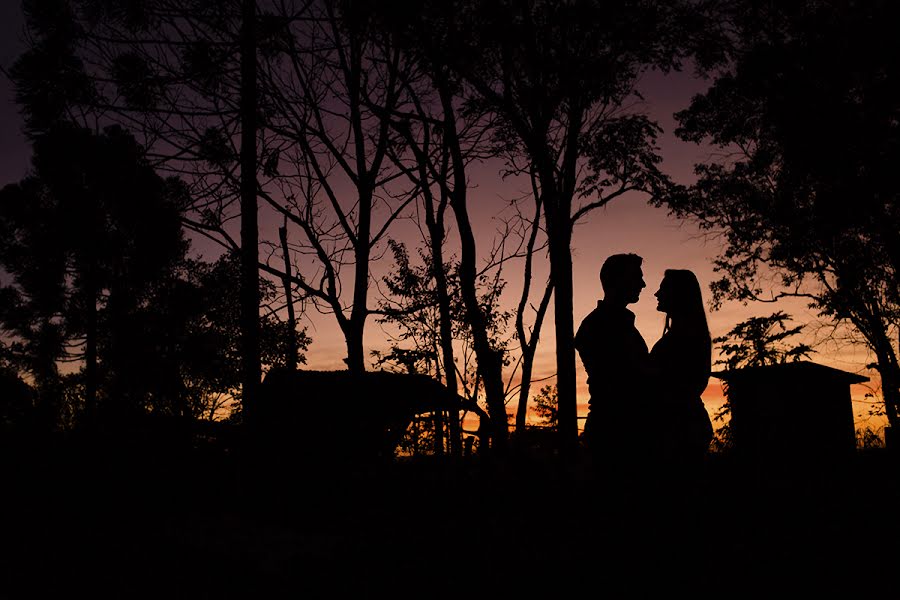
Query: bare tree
{"x": 806, "y": 188}
{"x": 182, "y": 77}
{"x": 249, "y": 292}
{"x": 334, "y": 182}
{"x": 528, "y": 340}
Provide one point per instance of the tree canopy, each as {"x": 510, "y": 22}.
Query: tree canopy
{"x": 94, "y": 248}
{"x": 808, "y": 120}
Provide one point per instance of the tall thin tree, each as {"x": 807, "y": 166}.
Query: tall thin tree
{"x": 249, "y": 291}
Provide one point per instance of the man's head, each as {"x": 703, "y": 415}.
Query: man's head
{"x": 622, "y": 278}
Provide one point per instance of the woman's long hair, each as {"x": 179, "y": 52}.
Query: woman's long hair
{"x": 685, "y": 301}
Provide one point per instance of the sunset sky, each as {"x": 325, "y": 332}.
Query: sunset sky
{"x": 627, "y": 225}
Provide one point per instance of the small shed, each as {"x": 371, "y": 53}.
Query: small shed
{"x": 791, "y": 410}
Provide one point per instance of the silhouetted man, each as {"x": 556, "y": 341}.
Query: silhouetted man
{"x": 615, "y": 357}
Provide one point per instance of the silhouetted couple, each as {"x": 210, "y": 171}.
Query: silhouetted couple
{"x": 646, "y": 422}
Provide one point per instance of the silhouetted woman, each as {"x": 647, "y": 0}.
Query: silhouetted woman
{"x": 681, "y": 362}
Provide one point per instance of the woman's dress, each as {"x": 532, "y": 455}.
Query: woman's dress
{"x": 681, "y": 361}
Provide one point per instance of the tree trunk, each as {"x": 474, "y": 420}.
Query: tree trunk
{"x": 528, "y": 352}
{"x": 529, "y": 346}
{"x": 557, "y": 216}
{"x": 353, "y": 337}
{"x": 890, "y": 391}
{"x": 490, "y": 365}
{"x": 889, "y": 371}
{"x": 249, "y": 291}
{"x": 524, "y": 391}
{"x": 873, "y": 326}
{"x": 561, "y": 275}
{"x": 291, "y": 358}
{"x": 362, "y": 248}
{"x": 91, "y": 375}
{"x": 446, "y": 332}
{"x": 489, "y": 361}
{"x": 557, "y": 189}
{"x": 445, "y": 325}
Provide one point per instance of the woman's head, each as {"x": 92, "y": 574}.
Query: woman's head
{"x": 679, "y": 296}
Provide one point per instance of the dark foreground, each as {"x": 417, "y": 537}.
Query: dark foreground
{"x": 80, "y": 521}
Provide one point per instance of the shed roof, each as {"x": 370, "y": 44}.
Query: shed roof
{"x": 793, "y": 370}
